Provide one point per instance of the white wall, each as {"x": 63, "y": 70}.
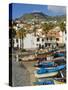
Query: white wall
{"x": 29, "y": 41}
{"x": 64, "y": 37}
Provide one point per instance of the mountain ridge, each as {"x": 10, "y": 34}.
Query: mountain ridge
{"x": 40, "y": 15}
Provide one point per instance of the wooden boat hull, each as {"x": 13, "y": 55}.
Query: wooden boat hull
{"x": 51, "y": 74}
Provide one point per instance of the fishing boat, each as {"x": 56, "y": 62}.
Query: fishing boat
{"x": 61, "y": 51}
{"x": 62, "y": 80}
{"x": 58, "y": 54}
{"x": 44, "y": 64}
{"x": 28, "y": 58}
{"x": 54, "y": 69}
{"x": 51, "y": 74}
{"x": 45, "y": 72}
{"x": 52, "y": 57}
{"x": 47, "y": 82}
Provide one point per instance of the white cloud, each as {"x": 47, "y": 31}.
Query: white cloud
{"x": 57, "y": 9}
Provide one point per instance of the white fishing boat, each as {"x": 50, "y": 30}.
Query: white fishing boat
{"x": 27, "y": 58}
{"x": 37, "y": 68}
{"x": 45, "y": 74}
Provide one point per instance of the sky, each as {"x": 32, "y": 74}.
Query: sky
{"x": 19, "y": 9}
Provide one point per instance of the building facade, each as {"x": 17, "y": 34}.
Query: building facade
{"x": 54, "y": 38}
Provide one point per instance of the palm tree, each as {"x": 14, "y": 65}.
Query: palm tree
{"x": 34, "y": 30}
{"x": 21, "y": 34}
{"x": 62, "y": 26}
{"x": 47, "y": 27}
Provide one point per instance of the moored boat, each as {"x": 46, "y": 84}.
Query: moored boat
{"x": 54, "y": 69}
{"x": 51, "y": 74}
{"x": 44, "y": 64}
{"x": 47, "y": 82}
{"x": 58, "y": 54}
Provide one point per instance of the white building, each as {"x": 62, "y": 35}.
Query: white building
{"x": 17, "y": 43}
{"x": 32, "y": 41}
{"x": 64, "y": 36}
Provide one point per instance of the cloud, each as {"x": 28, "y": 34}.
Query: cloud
{"x": 57, "y": 9}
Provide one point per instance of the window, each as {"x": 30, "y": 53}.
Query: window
{"x": 42, "y": 40}
{"x": 47, "y": 38}
{"x": 39, "y": 46}
{"x": 57, "y": 39}
{"x": 42, "y": 46}
{"x": 56, "y": 44}
{"x": 17, "y": 40}
{"x": 49, "y": 44}
{"x": 51, "y": 38}
{"x": 45, "y": 44}
{"x": 38, "y": 39}
{"x": 17, "y": 46}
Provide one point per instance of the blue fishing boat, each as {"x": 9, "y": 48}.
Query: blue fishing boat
{"x": 44, "y": 75}
{"x": 54, "y": 69}
{"x": 46, "y": 82}
{"x": 44, "y": 64}
{"x": 58, "y": 54}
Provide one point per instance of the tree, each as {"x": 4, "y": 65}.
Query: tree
{"x": 47, "y": 27}
{"x": 21, "y": 34}
{"x": 35, "y": 30}
{"x": 62, "y": 26}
